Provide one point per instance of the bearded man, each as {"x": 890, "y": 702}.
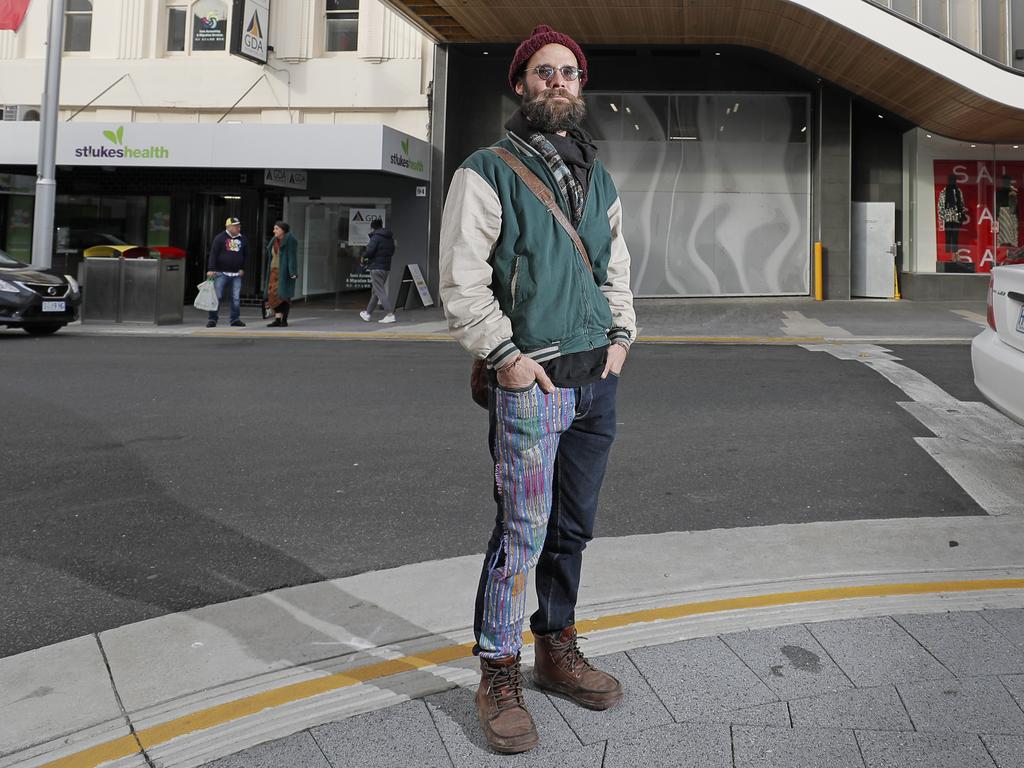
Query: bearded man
{"x": 553, "y": 319}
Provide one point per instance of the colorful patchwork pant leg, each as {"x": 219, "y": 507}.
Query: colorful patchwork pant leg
{"x": 525, "y": 428}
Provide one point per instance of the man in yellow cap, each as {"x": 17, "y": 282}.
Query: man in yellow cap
{"x": 227, "y": 258}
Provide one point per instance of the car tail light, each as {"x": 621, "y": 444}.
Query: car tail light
{"x": 991, "y": 314}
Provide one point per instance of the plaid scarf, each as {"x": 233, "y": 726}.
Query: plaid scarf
{"x": 571, "y": 188}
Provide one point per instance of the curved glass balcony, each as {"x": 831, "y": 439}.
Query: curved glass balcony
{"x": 993, "y": 29}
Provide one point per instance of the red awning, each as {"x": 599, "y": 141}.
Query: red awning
{"x": 11, "y": 13}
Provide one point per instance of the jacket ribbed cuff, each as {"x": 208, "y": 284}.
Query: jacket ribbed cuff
{"x": 502, "y": 353}
{"x": 620, "y": 336}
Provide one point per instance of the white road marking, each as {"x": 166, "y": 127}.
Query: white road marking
{"x": 980, "y": 448}
{"x": 796, "y": 324}
{"x": 974, "y": 317}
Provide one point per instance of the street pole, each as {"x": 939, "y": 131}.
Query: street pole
{"x": 46, "y": 170}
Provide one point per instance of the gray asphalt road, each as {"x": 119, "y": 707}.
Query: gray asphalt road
{"x": 148, "y": 475}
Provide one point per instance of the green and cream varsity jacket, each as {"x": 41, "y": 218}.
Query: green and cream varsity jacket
{"x": 511, "y": 278}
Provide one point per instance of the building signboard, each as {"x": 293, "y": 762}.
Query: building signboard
{"x": 359, "y": 220}
{"x": 281, "y": 177}
{"x": 250, "y": 30}
{"x": 168, "y": 145}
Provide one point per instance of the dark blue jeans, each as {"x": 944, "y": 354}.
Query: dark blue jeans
{"x": 555, "y": 456}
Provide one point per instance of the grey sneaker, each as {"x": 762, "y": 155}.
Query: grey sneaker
{"x": 365, "y": 315}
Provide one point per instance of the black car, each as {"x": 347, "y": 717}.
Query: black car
{"x": 38, "y": 302}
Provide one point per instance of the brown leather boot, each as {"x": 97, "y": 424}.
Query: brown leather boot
{"x": 561, "y": 667}
{"x": 507, "y": 725}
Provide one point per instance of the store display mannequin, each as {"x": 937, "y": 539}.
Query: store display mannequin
{"x": 1007, "y": 212}
{"x": 952, "y": 213}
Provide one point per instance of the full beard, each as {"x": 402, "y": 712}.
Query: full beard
{"x": 550, "y": 115}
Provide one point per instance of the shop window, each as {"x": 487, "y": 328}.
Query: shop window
{"x": 78, "y": 25}
{"x": 209, "y": 25}
{"x": 342, "y": 27}
{"x": 201, "y": 25}
{"x": 177, "y": 28}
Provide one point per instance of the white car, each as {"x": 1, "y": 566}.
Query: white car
{"x": 997, "y": 353}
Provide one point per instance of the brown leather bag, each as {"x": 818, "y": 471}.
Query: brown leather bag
{"x": 478, "y": 374}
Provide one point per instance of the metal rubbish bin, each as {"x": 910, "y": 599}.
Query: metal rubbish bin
{"x": 124, "y": 290}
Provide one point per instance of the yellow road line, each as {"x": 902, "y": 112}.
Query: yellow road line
{"x": 127, "y": 746}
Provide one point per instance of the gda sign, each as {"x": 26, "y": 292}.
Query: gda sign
{"x": 250, "y": 29}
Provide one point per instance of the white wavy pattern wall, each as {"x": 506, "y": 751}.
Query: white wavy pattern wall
{"x": 724, "y": 212}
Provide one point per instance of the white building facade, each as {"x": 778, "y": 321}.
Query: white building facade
{"x": 333, "y": 126}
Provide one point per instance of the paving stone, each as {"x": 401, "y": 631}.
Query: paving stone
{"x": 967, "y": 705}
{"x": 789, "y": 660}
{"x": 869, "y": 708}
{"x": 299, "y": 750}
{"x": 700, "y": 677}
{"x": 774, "y": 714}
{"x": 965, "y": 643}
{"x": 1009, "y": 621}
{"x": 454, "y": 713}
{"x": 890, "y": 749}
{"x": 685, "y": 745}
{"x": 1007, "y": 751}
{"x": 400, "y": 735}
{"x": 876, "y": 651}
{"x": 640, "y": 708}
{"x": 794, "y": 748}
{"x": 1015, "y": 684}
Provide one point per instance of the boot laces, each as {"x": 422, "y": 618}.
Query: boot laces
{"x": 506, "y": 686}
{"x": 568, "y": 653}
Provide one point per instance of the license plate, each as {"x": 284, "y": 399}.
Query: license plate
{"x": 53, "y": 306}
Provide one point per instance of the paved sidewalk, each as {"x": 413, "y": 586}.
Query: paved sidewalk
{"x": 759, "y": 320}
{"x": 861, "y": 643}
{"x": 904, "y": 691}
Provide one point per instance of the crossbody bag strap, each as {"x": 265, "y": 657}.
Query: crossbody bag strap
{"x": 544, "y": 194}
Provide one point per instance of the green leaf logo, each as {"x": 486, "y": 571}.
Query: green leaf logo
{"x": 405, "y": 146}
{"x": 115, "y": 137}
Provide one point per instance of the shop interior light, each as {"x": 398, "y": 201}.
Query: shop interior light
{"x": 717, "y": 53}
{"x": 880, "y": 117}
{"x": 1016, "y": 146}
{"x": 613, "y": 106}
{"x": 736, "y": 107}
{"x": 804, "y": 129}
{"x": 636, "y": 126}
{"x": 974, "y": 146}
{"x": 927, "y": 135}
{"x": 629, "y": 111}
{"x": 232, "y": 197}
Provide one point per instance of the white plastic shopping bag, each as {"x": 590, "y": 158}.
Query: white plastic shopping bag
{"x": 206, "y": 299}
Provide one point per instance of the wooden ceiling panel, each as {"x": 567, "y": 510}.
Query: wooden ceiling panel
{"x": 833, "y": 52}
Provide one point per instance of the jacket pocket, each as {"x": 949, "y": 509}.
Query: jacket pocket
{"x": 514, "y": 285}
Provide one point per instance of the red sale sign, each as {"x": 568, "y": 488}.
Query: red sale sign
{"x": 11, "y": 13}
{"x": 977, "y": 211}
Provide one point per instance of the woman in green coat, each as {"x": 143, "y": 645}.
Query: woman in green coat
{"x": 282, "y": 271}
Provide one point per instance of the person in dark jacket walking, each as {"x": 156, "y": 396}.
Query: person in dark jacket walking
{"x": 227, "y": 257}
{"x": 282, "y": 271}
{"x": 378, "y": 255}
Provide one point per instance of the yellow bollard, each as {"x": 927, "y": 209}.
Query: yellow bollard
{"x": 896, "y": 282}
{"x": 819, "y": 291}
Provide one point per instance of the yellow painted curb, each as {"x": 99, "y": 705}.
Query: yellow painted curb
{"x": 127, "y": 746}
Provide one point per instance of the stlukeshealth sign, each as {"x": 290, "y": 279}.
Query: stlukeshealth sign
{"x": 250, "y": 30}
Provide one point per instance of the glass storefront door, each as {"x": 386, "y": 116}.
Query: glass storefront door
{"x": 715, "y": 189}
{"x": 330, "y": 242}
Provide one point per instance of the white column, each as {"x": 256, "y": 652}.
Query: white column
{"x": 132, "y": 30}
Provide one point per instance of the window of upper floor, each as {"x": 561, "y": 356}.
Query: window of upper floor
{"x": 77, "y": 25}
{"x": 194, "y": 26}
{"x": 342, "y": 25}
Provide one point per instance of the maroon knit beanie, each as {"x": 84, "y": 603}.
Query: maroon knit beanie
{"x": 541, "y": 36}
